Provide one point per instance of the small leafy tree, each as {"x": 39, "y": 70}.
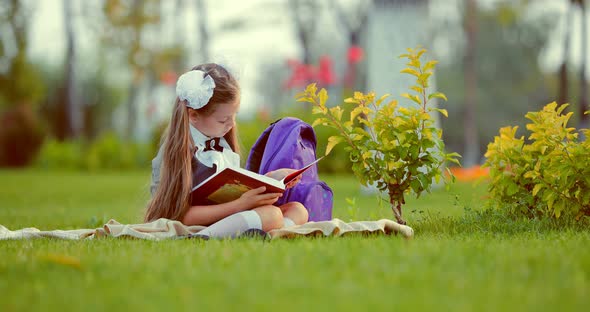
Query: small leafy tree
{"x": 548, "y": 175}
{"x": 399, "y": 149}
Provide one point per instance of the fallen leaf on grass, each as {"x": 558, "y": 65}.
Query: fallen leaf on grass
{"x": 63, "y": 260}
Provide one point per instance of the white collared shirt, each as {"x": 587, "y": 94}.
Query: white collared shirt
{"x": 227, "y": 158}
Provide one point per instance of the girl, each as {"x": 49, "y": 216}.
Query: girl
{"x": 202, "y": 139}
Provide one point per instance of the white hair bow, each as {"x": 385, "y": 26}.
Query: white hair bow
{"x": 195, "y": 87}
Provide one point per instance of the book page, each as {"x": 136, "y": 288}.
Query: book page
{"x": 228, "y": 192}
{"x": 248, "y": 173}
{"x": 260, "y": 177}
{"x": 231, "y": 182}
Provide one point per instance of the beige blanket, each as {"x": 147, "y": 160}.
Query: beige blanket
{"x": 169, "y": 229}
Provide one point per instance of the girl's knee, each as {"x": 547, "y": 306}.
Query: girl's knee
{"x": 271, "y": 217}
{"x": 296, "y": 212}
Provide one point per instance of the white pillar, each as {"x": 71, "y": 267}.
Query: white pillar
{"x": 393, "y": 26}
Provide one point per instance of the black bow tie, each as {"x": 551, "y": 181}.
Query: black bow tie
{"x": 213, "y": 145}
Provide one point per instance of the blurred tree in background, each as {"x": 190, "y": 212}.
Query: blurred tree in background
{"x": 583, "y": 102}
{"x": 353, "y": 23}
{"x": 569, "y": 32}
{"x": 127, "y": 22}
{"x": 21, "y": 89}
{"x": 304, "y": 21}
{"x": 508, "y": 79}
{"x": 73, "y": 109}
{"x": 20, "y": 81}
{"x": 471, "y": 144}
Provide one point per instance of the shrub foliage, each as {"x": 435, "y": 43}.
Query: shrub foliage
{"x": 548, "y": 174}
{"x": 399, "y": 149}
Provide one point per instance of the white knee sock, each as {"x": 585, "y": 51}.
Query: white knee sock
{"x": 234, "y": 225}
{"x": 287, "y": 222}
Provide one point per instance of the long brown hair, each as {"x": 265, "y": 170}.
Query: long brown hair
{"x": 172, "y": 197}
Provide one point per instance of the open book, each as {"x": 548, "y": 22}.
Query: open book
{"x": 231, "y": 182}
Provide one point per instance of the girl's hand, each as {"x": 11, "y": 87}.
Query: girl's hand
{"x": 279, "y": 174}
{"x": 293, "y": 182}
{"x": 255, "y": 198}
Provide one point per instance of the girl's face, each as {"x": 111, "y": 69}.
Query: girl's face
{"x": 218, "y": 123}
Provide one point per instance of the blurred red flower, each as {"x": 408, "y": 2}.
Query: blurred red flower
{"x": 325, "y": 73}
{"x": 355, "y": 54}
{"x": 168, "y": 78}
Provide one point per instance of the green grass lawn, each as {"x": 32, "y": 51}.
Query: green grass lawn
{"x": 459, "y": 259}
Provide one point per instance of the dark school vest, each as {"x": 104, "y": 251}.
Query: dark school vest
{"x": 200, "y": 173}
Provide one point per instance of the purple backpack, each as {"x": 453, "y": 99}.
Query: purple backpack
{"x": 291, "y": 143}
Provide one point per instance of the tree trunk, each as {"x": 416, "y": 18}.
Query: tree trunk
{"x": 583, "y": 81}
{"x": 203, "y": 30}
{"x": 180, "y": 37}
{"x": 563, "y": 96}
{"x": 352, "y": 81}
{"x": 73, "y": 111}
{"x": 138, "y": 71}
{"x": 471, "y": 143}
{"x": 396, "y": 204}
{"x": 304, "y": 28}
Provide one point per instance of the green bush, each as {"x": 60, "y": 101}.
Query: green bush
{"x": 60, "y": 155}
{"x": 548, "y": 175}
{"x": 108, "y": 152}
